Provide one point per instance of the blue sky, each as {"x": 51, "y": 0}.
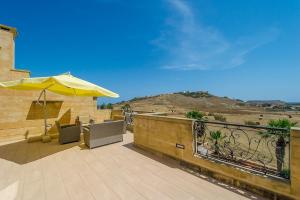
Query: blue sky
{"x": 240, "y": 49}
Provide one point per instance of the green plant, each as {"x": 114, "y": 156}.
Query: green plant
{"x": 282, "y": 123}
{"x": 220, "y": 118}
{"x": 102, "y": 106}
{"x": 215, "y": 137}
{"x": 197, "y": 94}
{"x": 241, "y": 104}
{"x": 281, "y": 143}
{"x": 285, "y": 173}
{"x": 126, "y": 108}
{"x": 194, "y": 115}
{"x": 109, "y": 106}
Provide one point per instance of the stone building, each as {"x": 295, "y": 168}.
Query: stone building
{"x": 20, "y": 116}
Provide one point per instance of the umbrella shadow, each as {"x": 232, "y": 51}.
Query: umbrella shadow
{"x": 36, "y": 110}
{"x": 22, "y": 152}
{"x": 64, "y": 119}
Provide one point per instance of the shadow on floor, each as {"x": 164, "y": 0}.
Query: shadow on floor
{"x": 23, "y": 152}
{"x": 173, "y": 163}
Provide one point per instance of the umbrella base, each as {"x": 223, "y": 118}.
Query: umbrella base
{"x": 46, "y": 138}
{"x": 34, "y": 139}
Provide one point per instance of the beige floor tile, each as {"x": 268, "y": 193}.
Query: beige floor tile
{"x": 37, "y": 171}
{"x": 34, "y": 190}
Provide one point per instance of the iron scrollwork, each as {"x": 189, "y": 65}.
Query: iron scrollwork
{"x": 128, "y": 118}
{"x": 258, "y": 149}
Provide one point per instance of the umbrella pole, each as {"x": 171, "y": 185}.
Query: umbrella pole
{"x": 45, "y": 137}
{"x": 45, "y": 112}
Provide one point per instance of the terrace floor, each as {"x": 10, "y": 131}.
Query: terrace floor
{"x": 118, "y": 171}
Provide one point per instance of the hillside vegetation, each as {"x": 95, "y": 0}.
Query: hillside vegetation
{"x": 181, "y": 102}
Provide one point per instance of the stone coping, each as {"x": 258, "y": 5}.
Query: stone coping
{"x": 20, "y": 70}
{"x": 154, "y": 116}
{"x": 10, "y": 29}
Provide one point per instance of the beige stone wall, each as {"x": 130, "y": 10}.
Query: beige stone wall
{"x": 7, "y": 49}
{"x": 101, "y": 115}
{"x": 161, "y": 134}
{"x": 7, "y": 55}
{"x": 20, "y": 116}
{"x": 116, "y": 112}
{"x": 117, "y": 115}
{"x": 295, "y": 161}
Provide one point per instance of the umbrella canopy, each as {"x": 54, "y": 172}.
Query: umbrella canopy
{"x": 64, "y": 84}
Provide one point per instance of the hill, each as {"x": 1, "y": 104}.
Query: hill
{"x": 266, "y": 102}
{"x": 181, "y": 102}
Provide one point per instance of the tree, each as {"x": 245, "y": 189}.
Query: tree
{"x": 281, "y": 143}
{"x": 194, "y": 115}
{"x": 109, "y": 106}
{"x": 102, "y": 106}
{"x": 126, "y": 108}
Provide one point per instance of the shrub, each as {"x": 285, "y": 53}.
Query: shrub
{"x": 194, "y": 115}
{"x": 241, "y": 104}
{"x": 126, "y": 108}
{"x": 102, "y": 106}
{"x": 109, "y": 106}
{"x": 139, "y": 98}
{"x": 211, "y": 114}
{"x": 198, "y": 94}
{"x": 220, "y": 118}
{"x": 285, "y": 173}
{"x": 282, "y": 123}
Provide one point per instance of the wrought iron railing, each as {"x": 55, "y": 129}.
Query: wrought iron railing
{"x": 257, "y": 149}
{"x": 128, "y": 118}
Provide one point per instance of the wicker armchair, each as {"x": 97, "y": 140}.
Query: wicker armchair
{"x": 68, "y": 133}
{"x": 84, "y": 121}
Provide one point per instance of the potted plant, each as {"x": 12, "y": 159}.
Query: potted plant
{"x": 281, "y": 140}
{"x": 216, "y": 137}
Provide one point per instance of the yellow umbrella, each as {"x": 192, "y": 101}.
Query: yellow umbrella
{"x": 64, "y": 84}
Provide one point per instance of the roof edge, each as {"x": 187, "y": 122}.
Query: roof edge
{"x": 9, "y": 29}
